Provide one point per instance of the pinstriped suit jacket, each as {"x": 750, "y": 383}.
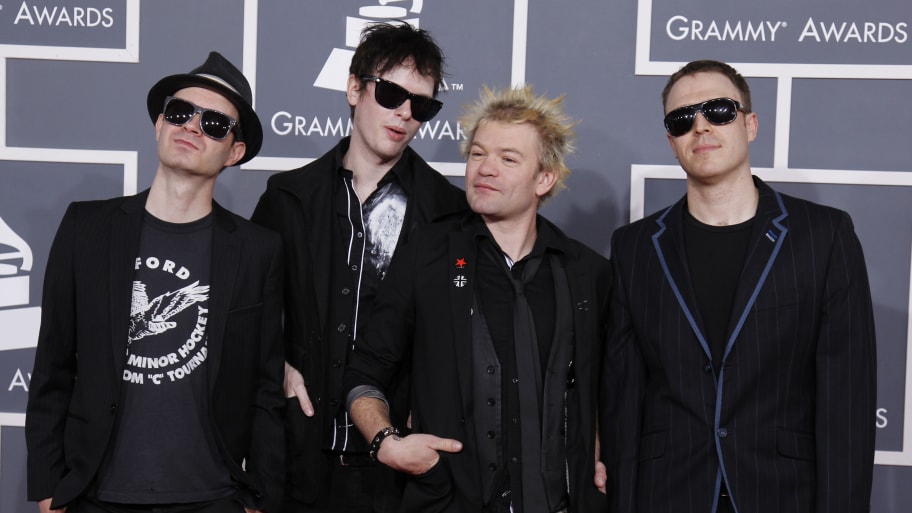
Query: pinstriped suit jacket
{"x": 788, "y": 421}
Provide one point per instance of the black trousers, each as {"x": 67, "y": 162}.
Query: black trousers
{"x": 88, "y": 505}
{"x": 352, "y": 485}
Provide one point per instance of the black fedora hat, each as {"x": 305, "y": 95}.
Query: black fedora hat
{"x": 219, "y": 75}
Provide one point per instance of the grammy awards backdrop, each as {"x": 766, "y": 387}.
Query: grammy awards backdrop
{"x": 831, "y": 84}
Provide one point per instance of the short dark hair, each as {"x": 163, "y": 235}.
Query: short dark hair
{"x": 710, "y": 66}
{"x": 385, "y": 46}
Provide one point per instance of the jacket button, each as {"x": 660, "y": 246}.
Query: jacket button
{"x": 492, "y": 467}
{"x": 490, "y": 434}
{"x": 337, "y": 363}
{"x": 346, "y": 291}
{"x": 708, "y": 369}
{"x": 722, "y": 432}
{"x": 491, "y": 369}
{"x": 491, "y": 401}
{"x": 341, "y": 328}
{"x": 113, "y": 407}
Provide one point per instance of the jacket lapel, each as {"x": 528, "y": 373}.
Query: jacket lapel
{"x": 461, "y": 262}
{"x": 668, "y": 241}
{"x": 315, "y": 194}
{"x": 321, "y": 219}
{"x": 126, "y": 228}
{"x": 767, "y": 237}
{"x": 226, "y": 253}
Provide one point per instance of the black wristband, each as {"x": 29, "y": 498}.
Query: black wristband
{"x": 375, "y": 443}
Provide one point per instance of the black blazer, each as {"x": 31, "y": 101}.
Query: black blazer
{"x": 73, "y": 401}
{"x": 423, "y": 319}
{"x": 299, "y": 205}
{"x": 788, "y": 424}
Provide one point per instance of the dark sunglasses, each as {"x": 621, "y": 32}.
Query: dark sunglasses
{"x": 718, "y": 111}
{"x": 390, "y": 96}
{"x": 213, "y": 123}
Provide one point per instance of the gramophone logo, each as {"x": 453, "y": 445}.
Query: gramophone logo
{"x": 19, "y": 326}
{"x": 15, "y": 263}
{"x": 335, "y": 70}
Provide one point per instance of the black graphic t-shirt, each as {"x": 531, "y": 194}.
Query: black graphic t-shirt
{"x": 164, "y": 449}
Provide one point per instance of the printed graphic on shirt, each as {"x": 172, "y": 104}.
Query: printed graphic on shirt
{"x": 385, "y": 213}
{"x": 151, "y": 317}
{"x": 167, "y": 335}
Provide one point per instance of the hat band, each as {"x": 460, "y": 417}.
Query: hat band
{"x": 220, "y": 81}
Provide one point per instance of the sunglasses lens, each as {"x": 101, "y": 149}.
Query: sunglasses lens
{"x": 679, "y": 121}
{"x": 214, "y": 124}
{"x": 178, "y": 112}
{"x": 389, "y": 95}
{"x": 424, "y": 109}
{"x": 720, "y": 111}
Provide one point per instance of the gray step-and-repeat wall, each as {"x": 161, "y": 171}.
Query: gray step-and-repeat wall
{"x": 831, "y": 81}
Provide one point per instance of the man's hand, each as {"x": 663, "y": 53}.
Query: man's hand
{"x": 415, "y": 454}
{"x": 601, "y": 476}
{"x": 601, "y": 473}
{"x": 44, "y": 506}
{"x": 294, "y": 387}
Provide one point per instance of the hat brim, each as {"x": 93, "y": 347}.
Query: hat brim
{"x": 250, "y": 123}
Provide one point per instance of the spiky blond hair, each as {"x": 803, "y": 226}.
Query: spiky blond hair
{"x": 520, "y": 105}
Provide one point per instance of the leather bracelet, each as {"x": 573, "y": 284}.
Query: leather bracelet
{"x": 379, "y": 438}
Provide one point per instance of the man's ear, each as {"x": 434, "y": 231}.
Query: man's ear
{"x": 236, "y": 153}
{"x": 353, "y": 90}
{"x": 545, "y": 181}
{"x": 753, "y": 124}
{"x": 158, "y": 126}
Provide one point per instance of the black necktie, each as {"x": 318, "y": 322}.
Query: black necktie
{"x": 528, "y": 370}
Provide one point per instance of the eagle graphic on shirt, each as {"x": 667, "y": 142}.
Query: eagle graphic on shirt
{"x": 149, "y": 318}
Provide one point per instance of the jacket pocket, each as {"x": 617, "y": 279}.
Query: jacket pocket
{"x": 796, "y": 445}
{"x": 652, "y": 445}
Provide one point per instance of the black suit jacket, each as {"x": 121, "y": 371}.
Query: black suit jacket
{"x": 299, "y": 204}
{"x": 788, "y": 423}
{"x": 77, "y": 377}
{"x": 423, "y": 317}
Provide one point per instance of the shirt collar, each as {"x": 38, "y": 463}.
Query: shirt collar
{"x": 547, "y": 239}
{"x": 401, "y": 171}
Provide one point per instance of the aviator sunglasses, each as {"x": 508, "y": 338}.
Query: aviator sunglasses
{"x": 213, "y": 123}
{"x": 718, "y": 111}
{"x": 391, "y": 95}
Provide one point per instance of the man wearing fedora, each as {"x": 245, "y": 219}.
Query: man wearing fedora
{"x": 157, "y": 383}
